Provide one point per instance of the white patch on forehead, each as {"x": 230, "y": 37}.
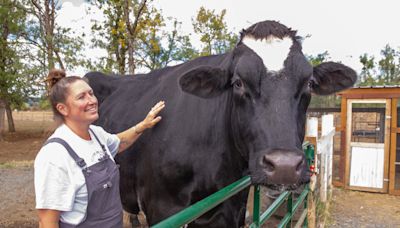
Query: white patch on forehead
{"x": 273, "y": 51}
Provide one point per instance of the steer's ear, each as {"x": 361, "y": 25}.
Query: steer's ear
{"x": 330, "y": 77}
{"x": 204, "y": 81}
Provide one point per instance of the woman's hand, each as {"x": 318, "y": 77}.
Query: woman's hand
{"x": 132, "y": 134}
{"x": 151, "y": 118}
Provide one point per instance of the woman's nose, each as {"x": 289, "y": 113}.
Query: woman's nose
{"x": 92, "y": 99}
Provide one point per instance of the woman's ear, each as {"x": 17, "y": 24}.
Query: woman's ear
{"x": 62, "y": 109}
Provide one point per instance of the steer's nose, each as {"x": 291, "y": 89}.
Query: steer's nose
{"x": 283, "y": 166}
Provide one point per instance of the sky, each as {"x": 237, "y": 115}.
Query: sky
{"x": 344, "y": 28}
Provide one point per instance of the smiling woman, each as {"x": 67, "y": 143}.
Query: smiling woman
{"x": 76, "y": 178}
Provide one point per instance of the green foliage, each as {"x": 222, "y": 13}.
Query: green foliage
{"x": 50, "y": 44}
{"x": 213, "y": 32}
{"x": 367, "y": 71}
{"x": 44, "y": 104}
{"x": 70, "y": 45}
{"x": 153, "y": 46}
{"x": 158, "y": 48}
{"x": 111, "y": 36}
{"x": 23, "y": 54}
{"x": 385, "y": 71}
{"x": 15, "y": 86}
{"x": 320, "y": 58}
{"x": 389, "y": 66}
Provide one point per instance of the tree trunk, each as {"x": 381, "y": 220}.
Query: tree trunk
{"x": 131, "y": 63}
{"x": 2, "y": 118}
{"x": 131, "y": 31}
{"x": 49, "y": 31}
{"x": 11, "y": 126}
{"x": 46, "y": 13}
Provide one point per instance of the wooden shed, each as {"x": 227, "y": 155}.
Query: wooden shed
{"x": 370, "y": 139}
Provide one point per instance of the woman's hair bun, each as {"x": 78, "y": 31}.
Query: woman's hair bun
{"x": 54, "y": 76}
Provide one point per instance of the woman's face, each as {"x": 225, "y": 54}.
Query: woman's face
{"x": 81, "y": 104}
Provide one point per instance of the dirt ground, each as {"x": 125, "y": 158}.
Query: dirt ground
{"x": 18, "y": 150}
{"x": 363, "y": 209}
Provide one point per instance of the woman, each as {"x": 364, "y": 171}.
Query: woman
{"x": 76, "y": 178}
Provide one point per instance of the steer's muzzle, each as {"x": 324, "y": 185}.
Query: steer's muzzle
{"x": 283, "y": 166}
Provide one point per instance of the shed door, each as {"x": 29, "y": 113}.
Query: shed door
{"x": 368, "y": 132}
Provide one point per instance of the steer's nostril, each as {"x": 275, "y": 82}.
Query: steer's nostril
{"x": 283, "y": 166}
{"x": 268, "y": 164}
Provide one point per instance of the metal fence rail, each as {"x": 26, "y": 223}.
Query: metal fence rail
{"x": 196, "y": 210}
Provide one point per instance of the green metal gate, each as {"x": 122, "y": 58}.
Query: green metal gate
{"x": 201, "y": 207}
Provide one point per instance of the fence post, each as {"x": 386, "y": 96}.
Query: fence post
{"x": 256, "y": 208}
{"x": 312, "y": 127}
{"x": 290, "y": 210}
{"x": 305, "y": 208}
{"x": 311, "y": 136}
{"x": 326, "y": 150}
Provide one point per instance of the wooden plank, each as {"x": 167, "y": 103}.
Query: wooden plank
{"x": 364, "y": 189}
{"x": 348, "y": 139}
{"x": 388, "y": 116}
{"x": 393, "y": 144}
{"x": 371, "y": 93}
{"x": 311, "y": 207}
{"x": 367, "y": 167}
{"x": 371, "y": 96}
{"x": 337, "y": 183}
{"x": 342, "y": 162}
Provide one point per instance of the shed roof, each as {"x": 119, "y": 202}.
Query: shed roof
{"x": 371, "y": 92}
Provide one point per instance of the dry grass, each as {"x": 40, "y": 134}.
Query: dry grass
{"x": 33, "y": 122}
{"x": 17, "y": 164}
{"x": 19, "y": 148}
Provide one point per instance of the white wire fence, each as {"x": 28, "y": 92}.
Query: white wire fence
{"x": 32, "y": 121}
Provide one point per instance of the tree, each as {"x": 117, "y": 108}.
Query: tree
{"x": 10, "y": 30}
{"x": 45, "y": 12}
{"x": 385, "y": 71}
{"x": 158, "y": 48}
{"x": 367, "y": 71}
{"x": 53, "y": 44}
{"x": 213, "y": 32}
{"x": 131, "y": 28}
{"x": 320, "y": 58}
{"x": 389, "y": 69}
{"x": 118, "y": 33}
{"x": 31, "y": 43}
{"x": 17, "y": 77}
{"x": 134, "y": 35}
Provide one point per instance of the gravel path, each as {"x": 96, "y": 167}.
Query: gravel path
{"x": 17, "y": 208}
{"x": 364, "y": 209}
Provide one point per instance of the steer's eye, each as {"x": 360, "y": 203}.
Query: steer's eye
{"x": 238, "y": 84}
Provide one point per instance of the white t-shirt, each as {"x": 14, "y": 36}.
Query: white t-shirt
{"x": 59, "y": 181}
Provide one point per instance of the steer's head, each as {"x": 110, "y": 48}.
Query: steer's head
{"x": 270, "y": 83}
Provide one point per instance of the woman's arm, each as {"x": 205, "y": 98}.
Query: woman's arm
{"x": 48, "y": 218}
{"x": 128, "y": 137}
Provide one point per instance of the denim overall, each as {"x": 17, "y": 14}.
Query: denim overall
{"x": 104, "y": 207}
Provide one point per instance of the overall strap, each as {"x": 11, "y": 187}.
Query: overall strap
{"x": 79, "y": 161}
{"x": 97, "y": 139}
